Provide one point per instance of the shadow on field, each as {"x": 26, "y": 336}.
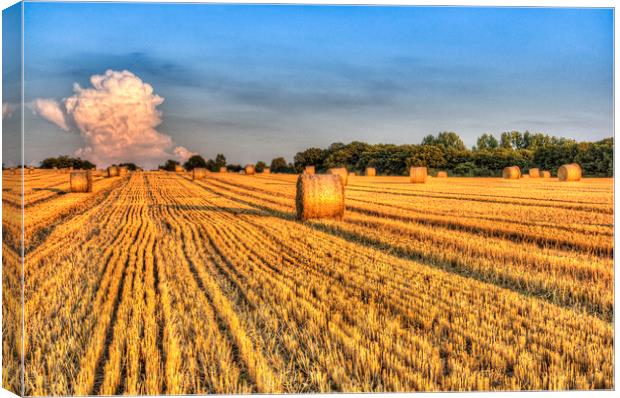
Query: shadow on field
{"x": 55, "y": 190}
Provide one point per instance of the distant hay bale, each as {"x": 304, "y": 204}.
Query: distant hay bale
{"x": 546, "y": 174}
{"x": 511, "y": 173}
{"x": 250, "y": 170}
{"x": 340, "y": 171}
{"x": 81, "y": 181}
{"x": 371, "y": 171}
{"x": 534, "y": 173}
{"x": 122, "y": 171}
{"x": 223, "y": 170}
{"x": 319, "y": 196}
{"x": 417, "y": 175}
{"x": 113, "y": 171}
{"x": 178, "y": 168}
{"x": 442, "y": 174}
{"x": 198, "y": 173}
{"x": 266, "y": 170}
{"x": 309, "y": 170}
{"x": 569, "y": 172}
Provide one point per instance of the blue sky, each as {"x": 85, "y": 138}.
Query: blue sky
{"x": 255, "y": 82}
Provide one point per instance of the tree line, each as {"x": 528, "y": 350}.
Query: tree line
{"x": 444, "y": 151}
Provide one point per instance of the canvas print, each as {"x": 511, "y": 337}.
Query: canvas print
{"x": 238, "y": 199}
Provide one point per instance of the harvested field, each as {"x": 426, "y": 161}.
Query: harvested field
{"x": 176, "y": 286}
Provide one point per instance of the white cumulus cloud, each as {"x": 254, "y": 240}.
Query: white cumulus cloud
{"x": 117, "y": 119}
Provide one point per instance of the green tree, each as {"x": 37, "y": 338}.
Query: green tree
{"x": 279, "y": 165}
{"x": 220, "y": 160}
{"x": 310, "y": 157}
{"x": 260, "y": 166}
{"x": 486, "y": 141}
{"x": 195, "y": 161}
{"x": 446, "y": 139}
{"x": 170, "y": 165}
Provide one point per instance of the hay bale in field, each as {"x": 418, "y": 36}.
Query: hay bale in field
{"x": 371, "y": 172}
{"x": 534, "y": 173}
{"x": 569, "y": 172}
{"x": 113, "y": 171}
{"x": 511, "y": 173}
{"x": 266, "y": 170}
{"x": 122, "y": 171}
{"x": 309, "y": 170}
{"x": 319, "y": 196}
{"x": 546, "y": 174}
{"x": 442, "y": 174}
{"x": 223, "y": 170}
{"x": 178, "y": 168}
{"x": 417, "y": 175}
{"x": 81, "y": 181}
{"x": 199, "y": 173}
{"x": 249, "y": 169}
{"x": 340, "y": 171}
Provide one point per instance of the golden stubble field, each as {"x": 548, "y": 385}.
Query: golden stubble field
{"x": 155, "y": 283}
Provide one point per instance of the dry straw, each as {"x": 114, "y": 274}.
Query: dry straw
{"x": 442, "y": 174}
{"x": 545, "y": 174}
{"x": 309, "y": 170}
{"x": 112, "y": 171}
{"x": 122, "y": 171}
{"x": 81, "y": 181}
{"x": 250, "y": 170}
{"x": 340, "y": 171}
{"x": 569, "y": 172}
{"x": 319, "y": 196}
{"x": 535, "y": 173}
{"x": 266, "y": 170}
{"x": 223, "y": 170}
{"x": 199, "y": 173}
{"x": 371, "y": 171}
{"x": 511, "y": 172}
{"x": 178, "y": 168}
{"x": 417, "y": 175}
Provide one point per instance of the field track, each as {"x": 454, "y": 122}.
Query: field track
{"x": 155, "y": 283}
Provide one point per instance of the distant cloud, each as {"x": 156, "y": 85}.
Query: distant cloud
{"x": 182, "y": 154}
{"x": 50, "y": 110}
{"x": 8, "y": 109}
{"x": 117, "y": 119}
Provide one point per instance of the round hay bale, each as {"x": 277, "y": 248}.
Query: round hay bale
{"x": 178, "y": 168}
{"x": 81, "y": 181}
{"x": 199, "y": 173}
{"x": 511, "y": 173}
{"x": 223, "y": 170}
{"x": 122, "y": 171}
{"x": 250, "y": 170}
{"x": 417, "y": 175}
{"x": 340, "y": 171}
{"x": 546, "y": 174}
{"x": 371, "y": 171}
{"x": 319, "y": 196}
{"x": 309, "y": 170}
{"x": 113, "y": 171}
{"x": 569, "y": 172}
{"x": 442, "y": 174}
{"x": 266, "y": 170}
{"x": 534, "y": 173}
